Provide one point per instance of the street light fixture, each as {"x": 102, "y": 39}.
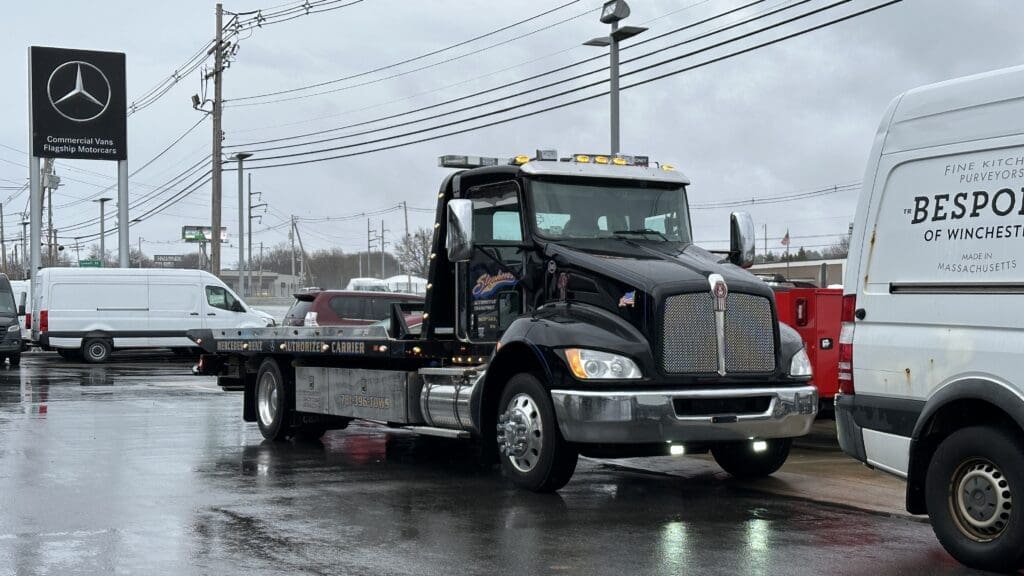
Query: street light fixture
{"x": 612, "y": 12}
{"x": 241, "y": 156}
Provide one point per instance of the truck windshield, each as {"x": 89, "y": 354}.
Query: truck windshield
{"x": 576, "y": 211}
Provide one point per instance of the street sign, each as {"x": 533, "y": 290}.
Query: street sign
{"x": 78, "y": 102}
{"x": 169, "y": 260}
{"x": 202, "y": 233}
{"x": 91, "y": 263}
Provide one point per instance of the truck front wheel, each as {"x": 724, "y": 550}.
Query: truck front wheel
{"x": 532, "y": 451}
{"x": 969, "y": 489}
{"x": 272, "y": 401}
{"x": 752, "y": 459}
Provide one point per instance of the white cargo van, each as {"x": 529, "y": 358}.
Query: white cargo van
{"x": 932, "y": 346}
{"x": 91, "y": 312}
{"x": 23, "y": 298}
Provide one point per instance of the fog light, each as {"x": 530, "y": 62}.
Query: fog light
{"x": 677, "y": 450}
{"x": 760, "y": 446}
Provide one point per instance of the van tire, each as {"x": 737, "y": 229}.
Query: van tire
{"x": 740, "y": 460}
{"x": 69, "y": 355}
{"x": 273, "y": 399}
{"x": 96, "y": 350}
{"x": 15, "y": 359}
{"x": 979, "y": 458}
{"x": 550, "y": 464}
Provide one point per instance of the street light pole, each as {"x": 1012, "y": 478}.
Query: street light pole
{"x": 241, "y": 156}
{"x": 103, "y": 230}
{"x": 612, "y": 12}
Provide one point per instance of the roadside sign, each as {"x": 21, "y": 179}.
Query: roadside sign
{"x": 202, "y": 233}
{"x": 78, "y": 103}
{"x": 169, "y": 260}
{"x": 91, "y": 263}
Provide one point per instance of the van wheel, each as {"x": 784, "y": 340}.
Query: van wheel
{"x": 741, "y": 461}
{"x": 69, "y": 355}
{"x": 532, "y": 451}
{"x": 272, "y": 400}
{"x": 969, "y": 490}
{"x": 96, "y": 350}
{"x": 15, "y": 359}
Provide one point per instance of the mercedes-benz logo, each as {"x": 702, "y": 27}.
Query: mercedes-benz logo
{"x": 78, "y": 91}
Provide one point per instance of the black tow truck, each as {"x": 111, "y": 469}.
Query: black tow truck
{"x": 568, "y": 312}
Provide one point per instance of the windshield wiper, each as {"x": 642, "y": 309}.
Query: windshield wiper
{"x": 643, "y": 232}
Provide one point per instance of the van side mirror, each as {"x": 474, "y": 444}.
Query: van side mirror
{"x": 741, "y": 239}
{"x": 460, "y": 230}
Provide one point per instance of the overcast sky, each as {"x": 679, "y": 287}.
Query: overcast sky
{"x": 793, "y": 117}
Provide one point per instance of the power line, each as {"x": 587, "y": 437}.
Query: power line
{"x": 777, "y": 199}
{"x": 572, "y": 102}
{"x": 413, "y": 59}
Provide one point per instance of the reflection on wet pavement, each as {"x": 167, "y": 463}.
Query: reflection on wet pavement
{"x": 144, "y": 468}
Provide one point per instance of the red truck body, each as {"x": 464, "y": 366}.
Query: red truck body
{"x": 814, "y": 313}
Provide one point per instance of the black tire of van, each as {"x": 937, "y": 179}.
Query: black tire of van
{"x": 977, "y": 458}
{"x": 273, "y": 401}
{"x": 15, "y": 359}
{"x": 96, "y": 350}
{"x": 741, "y": 461}
{"x": 69, "y": 355}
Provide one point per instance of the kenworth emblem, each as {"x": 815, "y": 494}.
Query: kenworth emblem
{"x": 720, "y": 296}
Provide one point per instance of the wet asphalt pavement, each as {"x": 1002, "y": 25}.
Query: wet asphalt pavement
{"x": 143, "y": 468}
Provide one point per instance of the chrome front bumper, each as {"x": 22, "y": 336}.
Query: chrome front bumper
{"x": 645, "y": 416}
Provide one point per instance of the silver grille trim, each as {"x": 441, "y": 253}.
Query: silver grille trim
{"x": 689, "y": 338}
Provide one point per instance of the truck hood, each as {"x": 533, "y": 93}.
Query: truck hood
{"x": 655, "y": 268}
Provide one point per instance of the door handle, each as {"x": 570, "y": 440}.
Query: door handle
{"x": 194, "y": 314}
{"x": 211, "y": 313}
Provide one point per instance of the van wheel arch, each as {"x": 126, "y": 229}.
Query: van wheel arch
{"x": 970, "y": 404}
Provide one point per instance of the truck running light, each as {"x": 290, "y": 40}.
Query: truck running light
{"x": 846, "y": 344}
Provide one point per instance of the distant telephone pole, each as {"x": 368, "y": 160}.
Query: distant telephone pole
{"x": 369, "y": 238}
{"x": 3, "y": 244}
{"x": 382, "y": 243}
{"x": 218, "y": 136}
{"x": 408, "y": 277}
{"x": 291, "y": 237}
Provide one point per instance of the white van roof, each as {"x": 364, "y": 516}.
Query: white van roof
{"x": 986, "y": 105}
{"x": 150, "y": 272}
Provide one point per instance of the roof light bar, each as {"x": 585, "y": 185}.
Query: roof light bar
{"x": 466, "y": 162}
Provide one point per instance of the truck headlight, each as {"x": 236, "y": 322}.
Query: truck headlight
{"x": 800, "y": 365}
{"x": 14, "y": 328}
{"x": 593, "y": 365}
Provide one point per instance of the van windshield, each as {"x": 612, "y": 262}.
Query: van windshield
{"x": 638, "y": 210}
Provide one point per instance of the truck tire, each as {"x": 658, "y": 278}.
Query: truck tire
{"x": 96, "y": 350}
{"x": 741, "y": 461}
{"x": 969, "y": 489}
{"x": 272, "y": 401}
{"x": 532, "y": 451}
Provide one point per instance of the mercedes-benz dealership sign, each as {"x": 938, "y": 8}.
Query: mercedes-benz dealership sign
{"x": 78, "y": 104}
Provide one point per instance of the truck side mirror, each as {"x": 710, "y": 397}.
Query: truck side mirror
{"x": 460, "y": 230}
{"x": 741, "y": 239}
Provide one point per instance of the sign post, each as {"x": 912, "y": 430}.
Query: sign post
{"x": 78, "y": 109}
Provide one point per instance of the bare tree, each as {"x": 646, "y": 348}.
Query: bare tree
{"x": 413, "y": 252}
{"x": 840, "y": 249}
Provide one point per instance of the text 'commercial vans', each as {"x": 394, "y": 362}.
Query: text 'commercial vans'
{"x": 92, "y": 312}
{"x": 931, "y": 352}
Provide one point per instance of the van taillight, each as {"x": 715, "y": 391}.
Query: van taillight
{"x": 44, "y": 320}
{"x": 846, "y": 344}
{"x": 28, "y": 320}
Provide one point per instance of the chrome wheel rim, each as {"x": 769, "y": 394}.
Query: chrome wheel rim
{"x": 981, "y": 500}
{"x": 97, "y": 351}
{"x": 266, "y": 398}
{"x": 520, "y": 433}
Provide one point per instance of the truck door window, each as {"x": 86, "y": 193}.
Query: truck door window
{"x": 218, "y": 297}
{"x": 492, "y": 284}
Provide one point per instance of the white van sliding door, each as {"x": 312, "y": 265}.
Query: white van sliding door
{"x": 174, "y": 309}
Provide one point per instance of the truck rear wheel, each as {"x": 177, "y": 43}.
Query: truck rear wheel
{"x": 96, "y": 350}
{"x": 741, "y": 460}
{"x": 970, "y": 486}
{"x": 272, "y": 401}
{"x": 532, "y": 451}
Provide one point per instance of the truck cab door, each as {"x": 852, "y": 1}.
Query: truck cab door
{"x": 490, "y": 295}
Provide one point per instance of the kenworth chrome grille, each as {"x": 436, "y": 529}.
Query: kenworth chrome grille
{"x": 690, "y": 339}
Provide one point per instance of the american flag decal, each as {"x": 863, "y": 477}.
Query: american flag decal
{"x": 628, "y": 299}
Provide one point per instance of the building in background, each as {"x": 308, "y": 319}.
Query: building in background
{"x": 266, "y": 284}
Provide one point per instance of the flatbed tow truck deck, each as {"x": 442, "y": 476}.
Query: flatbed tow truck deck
{"x": 567, "y": 312}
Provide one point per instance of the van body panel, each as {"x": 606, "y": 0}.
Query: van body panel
{"x": 887, "y": 451}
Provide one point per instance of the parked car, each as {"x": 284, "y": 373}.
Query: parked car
{"x": 931, "y": 350}
{"x": 10, "y": 340}
{"x": 345, "y": 307}
{"x": 92, "y": 312}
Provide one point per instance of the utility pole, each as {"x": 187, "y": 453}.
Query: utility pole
{"x": 368, "y": 248}
{"x": 408, "y": 241}
{"x": 103, "y": 230}
{"x": 25, "y": 254}
{"x": 382, "y": 243}
{"x": 218, "y": 65}
{"x": 140, "y": 251}
{"x": 766, "y": 242}
{"x": 291, "y": 238}
{"x": 261, "y": 266}
{"x": 49, "y": 183}
{"x": 248, "y": 263}
{"x": 303, "y": 268}
{"x": 3, "y": 244}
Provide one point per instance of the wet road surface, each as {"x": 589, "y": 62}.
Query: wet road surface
{"x": 145, "y": 469}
